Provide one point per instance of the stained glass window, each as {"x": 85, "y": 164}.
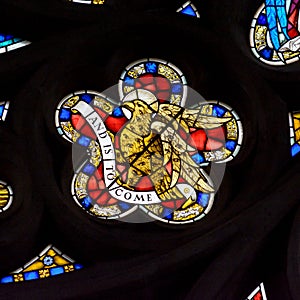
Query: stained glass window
{"x": 188, "y": 8}
{"x": 4, "y": 105}
{"x": 50, "y": 262}
{"x": 88, "y": 1}
{"x": 6, "y": 196}
{"x": 294, "y": 123}
{"x": 274, "y": 33}
{"x": 9, "y": 43}
{"x": 258, "y": 294}
{"x": 135, "y": 157}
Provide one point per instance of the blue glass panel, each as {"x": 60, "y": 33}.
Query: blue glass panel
{"x": 6, "y": 43}
{"x": 64, "y": 115}
{"x": 270, "y": 2}
{"x": 129, "y": 81}
{"x": 84, "y": 141}
{"x": 266, "y": 53}
{"x": 117, "y": 112}
{"x": 78, "y": 266}
{"x": 198, "y": 158}
{"x": 86, "y": 202}
{"x": 1, "y": 110}
{"x": 56, "y": 271}
{"x": 188, "y": 10}
{"x": 89, "y": 169}
{"x": 167, "y": 213}
{"x": 16, "y": 40}
{"x": 2, "y": 37}
{"x": 295, "y": 149}
{"x": 272, "y": 21}
{"x": 31, "y": 275}
{"x": 8, "y": 37}
{"x": 176, "y": 88}
{"x": 262, "y": 19}
{"x": 230, "y": 145}
{"x": 7, "y": 279}
{"x": 87, "y": 98}
{"x": 271, "y": 16}
{"x": 151, "y": 67}
{"x": 281, "y": 12}
{"x": 218, "y": 111}
{"x": 203, "y": 199}
{"x": 124, "y": 205}
{"x": 60, "y": 131}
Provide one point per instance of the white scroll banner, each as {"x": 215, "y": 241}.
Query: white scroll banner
{"x": 109, "y": 163}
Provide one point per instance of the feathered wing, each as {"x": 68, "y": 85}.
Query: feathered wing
{"x": 162, "y": 144}
{"x": 162, "y": 185}
{"x": 194, "y": 175}
{"x": 190, "y": 118}
{"x": 176, "y": 151}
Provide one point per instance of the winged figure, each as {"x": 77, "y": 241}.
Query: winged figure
{"x": 151, "y": 144}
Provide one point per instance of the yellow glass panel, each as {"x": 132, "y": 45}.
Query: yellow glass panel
{"x": 35, "y": 266}
{"x": 297, "y": 135}
{"x": 296, "y": 124}
{"x": 60, "y": 261}
{"x": 98, "y": 2}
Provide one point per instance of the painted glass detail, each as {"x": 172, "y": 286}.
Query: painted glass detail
{"x": 50, "y": 262}
{"x": 147, "y": 151}
{"x": 274, "y": 33}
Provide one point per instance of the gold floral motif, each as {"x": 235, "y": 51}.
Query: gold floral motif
{"x": 155, "y": 208}
{"x": 136, "y": 71}
{"x": 167, "y": 72}
{"x": 71, "y": 102}
{"x": 260, "y": 37}
{"x": 206, "y": 109}
{"x": 80, "y": 185}
{"x": 107, "y": 211}
{"x": 219, "y": 154}
{"x": 18, "y": 277}
{"x": 290, "y": 54}
{"x": 69, "y": 268}
{"x": 95, "y": 153}
{"x": 128, "y": 89}
{"x": 104, "y": 104}
{"x": 189, "y": 213}
{"x": 232, "y": 131}
{"x": 175, "y": 99}
{"x": 44, "y": 273}
{"x": 68, "y": 128}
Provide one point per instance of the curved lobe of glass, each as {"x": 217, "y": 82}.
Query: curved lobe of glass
{"x": 274, "y": 34}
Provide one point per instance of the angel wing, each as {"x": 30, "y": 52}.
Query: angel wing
{"x": 176, "y": 151}
{"x": 194, "y": 175}
{"x": 162, "y": 185}
{"x": 190, "y": 118}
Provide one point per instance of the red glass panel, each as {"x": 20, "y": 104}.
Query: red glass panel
{"x": 115, "y": 124}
